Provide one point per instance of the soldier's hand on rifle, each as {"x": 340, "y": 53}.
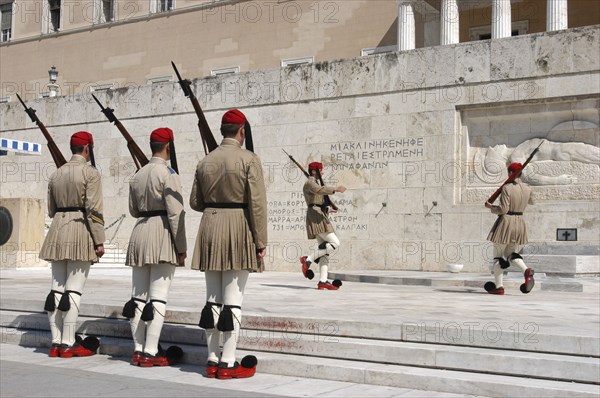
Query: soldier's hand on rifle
{"x": 181, "y": 258}
{"x": 488, "y": 205}
{"x": 99, "y": 251}
{"x": 340, "y": 189}
{"x": 260, "y": 253}
{"x": 331, "y": 210}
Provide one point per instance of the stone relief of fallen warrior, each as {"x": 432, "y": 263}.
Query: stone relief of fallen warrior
{"x": 494, "y": 160}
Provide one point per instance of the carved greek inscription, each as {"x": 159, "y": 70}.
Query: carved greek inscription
{"x": 375, "y": 154}
{"x": 289, "y": 214}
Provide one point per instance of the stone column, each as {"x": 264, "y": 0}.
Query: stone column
{"x": 449, "y": 22}
{"x": 406, "y": 25}
{"x": 556, "y": 15}
{"x": 501, "y": 19}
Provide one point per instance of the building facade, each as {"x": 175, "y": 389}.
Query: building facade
{"x": 109, "y": 44}
{"x": 420, "y": 137}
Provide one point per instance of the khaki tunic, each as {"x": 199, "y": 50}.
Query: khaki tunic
{"x": 228, "y": 239}
{"x": 74, "y": 235}
{"x": 511, "y": 229}
{"x": 156, "y": 239}
{"x": 317, "y": 222}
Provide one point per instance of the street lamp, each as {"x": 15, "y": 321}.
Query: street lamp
{"x": 53, "y": 76}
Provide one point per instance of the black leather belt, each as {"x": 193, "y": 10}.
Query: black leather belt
{"x": 515, "y": 213}
{"x": 153, "y": 213}
{"x": 70, "y": 209}
{"x": 227, "y": 205}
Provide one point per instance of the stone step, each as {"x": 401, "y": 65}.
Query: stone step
{"x": 470, "y": 334}
{"x": 561, "y": 248}
{"x": 435, "y": 356}
{"x": 447, "y": 279}
{"x": 364, "y": 372}
{"x": 262, "y": 384}
{"x": 564, "y": 265}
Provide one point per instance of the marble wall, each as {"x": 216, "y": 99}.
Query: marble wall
{"x": 405, "y": 132}
{"x": 27, "y": 234}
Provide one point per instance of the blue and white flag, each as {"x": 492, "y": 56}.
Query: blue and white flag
{"x": 30, "y": 148}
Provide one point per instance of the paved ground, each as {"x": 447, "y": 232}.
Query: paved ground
{"x": 29, "y": 372}
{"x": 290, "y": 295}
{"x": 449, "y": 302}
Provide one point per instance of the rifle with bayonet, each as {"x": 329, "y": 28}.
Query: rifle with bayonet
{"x": 208, "y": 140}
{"x": 514, "y": 175}
{"x": 138, "y": 156}
{"x": 327, "y": 202}
{"x": 297, "y": 164}
{"x": 57, "y": 156}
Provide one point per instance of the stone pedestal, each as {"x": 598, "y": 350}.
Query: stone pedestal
{"x": 564, "y": 259}
{"x": 23, "y": 246}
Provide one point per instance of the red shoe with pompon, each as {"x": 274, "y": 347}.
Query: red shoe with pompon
{"x": 147, "y": 360}
{"x": 54, "y": 351}
{"x": 308, "y": 273}
{"x": 238, "y": 371}
{"x": 136, "y": 358}
{"x": 326, "y": 286}
{"x": 162, "y": 358}
{"x": 491, "y": 288}
{"x": 529, "y": 281}
{"x": 82, "y": 347}
{"x": 211, "y": 369}
{"x": 76, "y": 350}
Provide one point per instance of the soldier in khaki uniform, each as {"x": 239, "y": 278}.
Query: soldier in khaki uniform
{"x": 319, "y": 227}
{"x": 156, "y": 247}
{"x": 75, "y": 241}
{"x": 509, "y": 233}
{"x": 230, "y": 191}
